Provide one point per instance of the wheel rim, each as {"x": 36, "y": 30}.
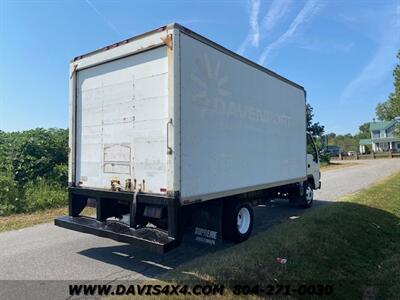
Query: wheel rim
{"x": 309, "y": 194}
{"x": 243, "y": 220}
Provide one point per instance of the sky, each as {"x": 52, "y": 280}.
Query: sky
{"x": 342, "y": 52}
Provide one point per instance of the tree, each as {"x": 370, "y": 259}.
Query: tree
{"x": 364, "y": 132}
{"x": 39, "y": 153}
{"x": 346, "y": 142}
{"x": 397, "y": 130}
{"x": 390, "y": 109}
{"x": 330, "y": 135}
{"x": 33, "y": 170}
{"x": 316, "y": 129}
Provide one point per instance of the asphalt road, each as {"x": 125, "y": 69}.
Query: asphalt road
{"x": 46, "y": 252}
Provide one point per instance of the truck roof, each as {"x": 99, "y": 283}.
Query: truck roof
{"x": 200, "y": 38}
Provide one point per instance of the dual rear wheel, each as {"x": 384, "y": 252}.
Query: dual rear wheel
{"x": 237, "y": 221}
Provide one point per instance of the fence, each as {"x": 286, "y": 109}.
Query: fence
{"x": 372, "y": 155}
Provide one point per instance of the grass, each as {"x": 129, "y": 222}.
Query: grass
{"x": 19, "y": 221}
{"x": 353, "y": 245}
{"x": 335, "y": 165}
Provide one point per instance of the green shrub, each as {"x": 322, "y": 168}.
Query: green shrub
{"x": 59, "y": 175}
{"x": 42, "y": 195}
{"x": 10, "y": 202}
{"x": 325, "y": 158}
{"x": 33, "y": 170}
{"x": 38, "y": 153}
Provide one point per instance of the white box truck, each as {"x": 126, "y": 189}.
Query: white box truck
{"x": 171, "y": 132}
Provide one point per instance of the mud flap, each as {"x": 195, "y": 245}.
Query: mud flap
{"x": 207, "y": 222}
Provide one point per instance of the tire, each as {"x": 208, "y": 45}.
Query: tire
{"x": 306, "y": 198}
{"x": 237, "y": 221}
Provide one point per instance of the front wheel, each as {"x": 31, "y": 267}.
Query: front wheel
{"x": 237, "y": 221}
{"x": 307, "y": 195}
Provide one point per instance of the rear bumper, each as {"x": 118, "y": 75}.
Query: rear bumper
{"x": 114, "y": 204}
{"x": 149, "y": 238}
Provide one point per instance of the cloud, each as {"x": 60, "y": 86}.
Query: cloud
{"x": 306, "y": 13}
{"x": 255, "y": 28}
{"x": 276, "y": 11}
{"x": 109, "y": 24}
{"x": 253, "y": 37}
{"x": 379, "y": 67}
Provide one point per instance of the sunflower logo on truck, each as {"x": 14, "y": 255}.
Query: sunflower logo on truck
{"x": 211, "y": 84}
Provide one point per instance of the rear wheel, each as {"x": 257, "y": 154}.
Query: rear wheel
{"x": 237, "y": 221}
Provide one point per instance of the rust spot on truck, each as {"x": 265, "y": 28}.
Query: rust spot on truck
{"x": 168, "y": 41}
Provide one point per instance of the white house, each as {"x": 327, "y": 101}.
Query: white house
{"x": 382, "y": 137}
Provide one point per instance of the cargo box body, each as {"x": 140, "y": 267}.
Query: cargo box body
{"x": 175, "y": 113}
{"x": 172, "y": 133}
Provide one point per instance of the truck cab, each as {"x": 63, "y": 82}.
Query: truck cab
{"x": 313, "y": 164}
{"x": 305, "y": 194}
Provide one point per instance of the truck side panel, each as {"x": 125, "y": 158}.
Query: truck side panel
{"x": 241, "y": 129}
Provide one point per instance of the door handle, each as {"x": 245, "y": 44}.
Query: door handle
{"x": 169, "y": 148}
